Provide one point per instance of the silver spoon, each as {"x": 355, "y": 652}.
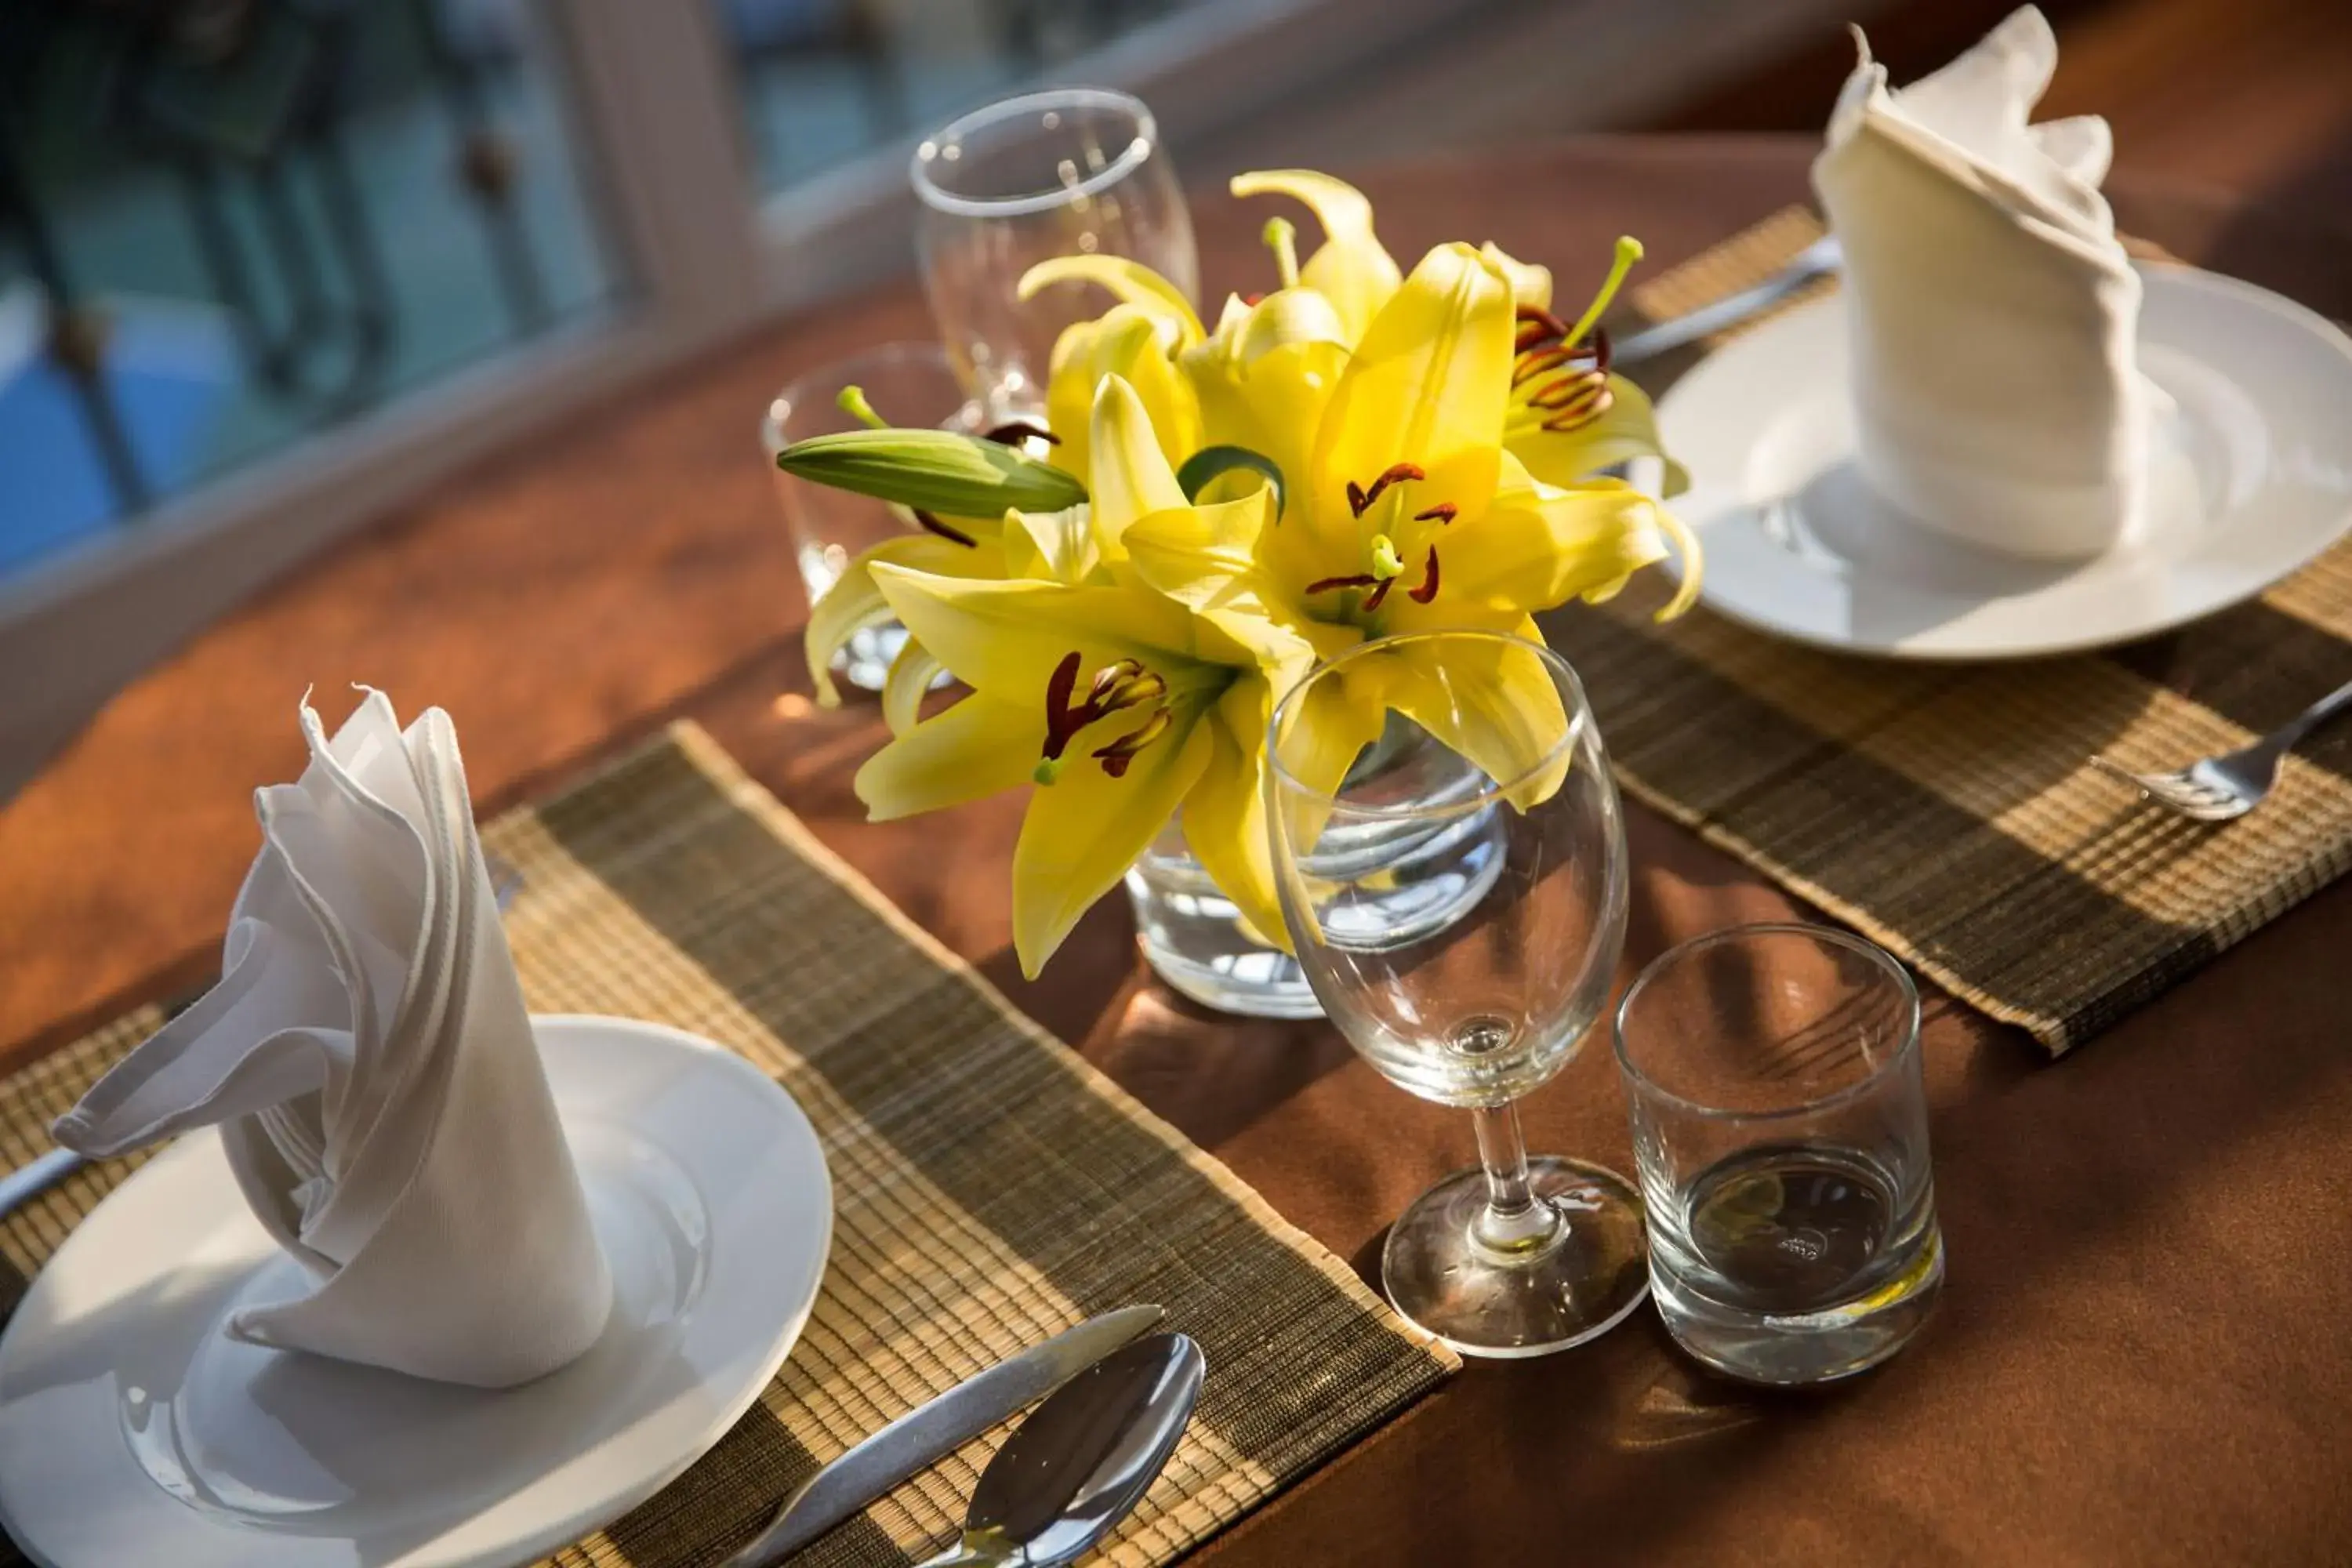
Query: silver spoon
{"x": 1083, "y": 1459}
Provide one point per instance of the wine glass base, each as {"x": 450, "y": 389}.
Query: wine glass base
{"x": 1485, "y": 1300}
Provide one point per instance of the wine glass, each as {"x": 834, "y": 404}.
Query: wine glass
{"x": 1461, "y": 924}
{"x": 1074, "y": 172}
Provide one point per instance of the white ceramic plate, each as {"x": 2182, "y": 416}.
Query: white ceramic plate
{"x": 133, "y": 1432}
{"x": 2252, "y": 479}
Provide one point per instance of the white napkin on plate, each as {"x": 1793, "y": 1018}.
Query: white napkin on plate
{"x": 368, "y": 1058}
{"x": 1990, "y": 307}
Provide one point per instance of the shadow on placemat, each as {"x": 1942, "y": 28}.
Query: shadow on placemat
{"x": 1951, "y": 811}
{"x": 990, "y": 1187}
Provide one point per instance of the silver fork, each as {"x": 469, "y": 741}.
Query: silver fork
{"x": 2223, "y": 788}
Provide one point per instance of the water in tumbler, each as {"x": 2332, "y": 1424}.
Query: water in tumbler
{"x": 1806, "y": 1235}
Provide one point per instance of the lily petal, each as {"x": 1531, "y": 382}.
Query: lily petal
{"x": 1082, "y": 832}
{"x": 1224, "y": 816}
{"x": 1007, "y": 637}
{"x": 1208, "y": 560}
{"x": 1534, "y": 547}
{"x": 1530, "y": 282}
{"x": 854, "y": 602}
{"x": 1626, "y": 430}
{"x": 1351, "y": 268}
{"x": 1494, "y": 704}
{"x": 1129, "y": 475}
{"x": 1123, "y": 342}
{"x": 1429, "y": 386}
{"x": 1131, "y": 281}
{"x": 979, "y": 747}
{"x": 1054, "y": 546}
{"x": 912, "y": 671}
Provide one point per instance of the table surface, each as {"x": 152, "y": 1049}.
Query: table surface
{"x": 2144, "y": 1352}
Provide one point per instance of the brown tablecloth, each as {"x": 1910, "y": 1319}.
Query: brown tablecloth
{"x": 2145, "y": 1351}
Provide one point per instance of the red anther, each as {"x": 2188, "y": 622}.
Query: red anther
{"x": 1536, "y": 325}
{"x": 1441, "y": 514}
{"x": 1360, "y": 499}
{"x": 1117, "y": 755}
{"x": 1109, "y": 675}
{"x": 933, "y": 525}
{"x": 1576, "y": 418}
{"x": 1535, "y": 361}
{"x": 1063, "y": 720}
{"x": 1325, "y": 584}
{"x": 1372, "y": 600}
{"x": 1015, "y": 432}
{"x": 1428, "y": 589}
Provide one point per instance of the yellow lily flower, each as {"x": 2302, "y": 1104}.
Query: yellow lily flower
{"x": 1123, "y": 706}
{"x": 1570, "y": 416}
{"x": 1410, "y": 515}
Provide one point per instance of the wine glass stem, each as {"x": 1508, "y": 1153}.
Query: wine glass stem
{"x": 1515, "y": 1221}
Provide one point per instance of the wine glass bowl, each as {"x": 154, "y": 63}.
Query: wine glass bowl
{"x": 1072, "y": 171}
{"x": 1460, "y": 919}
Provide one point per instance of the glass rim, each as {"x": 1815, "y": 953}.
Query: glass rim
{"x": 843, "y": 371}
{"x": 1130, "y": 158}
{"x": 1580, "y": 722}
{"x": 1885, "y": 961}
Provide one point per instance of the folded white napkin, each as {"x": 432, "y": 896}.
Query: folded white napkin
{"x": 1991, "y": 308}
{"x": 370, "y": 1063}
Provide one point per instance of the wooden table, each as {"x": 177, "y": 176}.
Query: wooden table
{"x": 2145, "y": 1351}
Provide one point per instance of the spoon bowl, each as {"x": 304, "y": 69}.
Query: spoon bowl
{"x": 1084, "y": 1459}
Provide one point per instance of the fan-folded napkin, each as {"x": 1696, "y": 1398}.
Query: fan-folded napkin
{"x": 1991, "y": 308}
{"x": 370, "y": 1063}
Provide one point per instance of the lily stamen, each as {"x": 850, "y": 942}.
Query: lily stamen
{"x": 1281, "y": 236}
{"x": 1330, "y": 585}
{"x": 931, "y": 524}
{"x": 1428, "y": 589}
{"x": 1360, "y": 499}
{"x": 1113, "y": 688}
{"x": 1117, "y": 756}
{"x": 1444, "y": 512}
{"x": 1014, "y": 432}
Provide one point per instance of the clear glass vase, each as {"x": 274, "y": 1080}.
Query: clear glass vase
{"x": 1195, "y": 938}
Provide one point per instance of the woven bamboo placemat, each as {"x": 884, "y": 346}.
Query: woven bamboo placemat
{"x": 990, "y": 1187}
{"x": 1951, "y": 812}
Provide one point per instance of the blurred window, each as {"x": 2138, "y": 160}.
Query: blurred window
{"x": 227, "y": 223}
{"x": 827, "y": 80}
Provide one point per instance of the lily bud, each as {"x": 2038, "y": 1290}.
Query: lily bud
{"x": 932, "y": 470}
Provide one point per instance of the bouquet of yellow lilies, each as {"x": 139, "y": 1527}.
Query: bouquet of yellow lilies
{"x": 1128, "y": 590}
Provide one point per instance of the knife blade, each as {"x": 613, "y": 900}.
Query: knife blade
{"x": 1823, "y": 256}
{"x": 931, "y": 1432}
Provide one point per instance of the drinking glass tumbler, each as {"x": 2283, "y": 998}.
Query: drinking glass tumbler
{"x": 1462, "y": 929}
{"x": 907, "y": 384}
{"x": 1781, "y": 1124}
{"x": 1075, "y": 172}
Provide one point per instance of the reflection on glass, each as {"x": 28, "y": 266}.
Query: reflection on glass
{"x": 241, "y": 222}
{"x": 1077, "y": 171}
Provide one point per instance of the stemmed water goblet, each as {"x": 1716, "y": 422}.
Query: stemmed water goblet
{"x": 1457, "y": 901}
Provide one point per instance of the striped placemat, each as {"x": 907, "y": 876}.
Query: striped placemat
{"x": 990, "y": 1187}
{"x": 1951, "y": 812}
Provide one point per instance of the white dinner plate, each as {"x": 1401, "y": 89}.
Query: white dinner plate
{"x": 133, "y": 1432}
{"x": 2251, "y": 478}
